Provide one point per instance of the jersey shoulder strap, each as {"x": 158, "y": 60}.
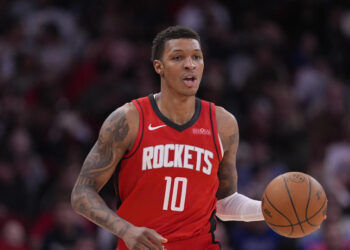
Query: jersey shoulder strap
{"x": 214, "y": 128}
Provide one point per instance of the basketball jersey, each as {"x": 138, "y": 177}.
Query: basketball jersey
{"x": 168, "y": 180}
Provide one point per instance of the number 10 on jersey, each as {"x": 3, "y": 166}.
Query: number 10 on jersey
{"x": 173, "y": 184}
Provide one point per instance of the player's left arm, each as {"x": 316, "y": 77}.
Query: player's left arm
{"x": 232, "y": 205}
{"x": 229, "y": 135}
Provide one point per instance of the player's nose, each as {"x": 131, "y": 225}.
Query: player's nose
{"x": 190, "y": 63}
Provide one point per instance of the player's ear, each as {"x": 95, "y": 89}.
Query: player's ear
{"x": 158, "y": 67}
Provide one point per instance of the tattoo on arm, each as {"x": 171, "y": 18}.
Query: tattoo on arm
{"x": 227, "y": 173}
{"x": 227, "y": 180}
{"x": 101, "y": 160}
{"x": 123, "y": 229}
{"x": 121, "y": 129}
{"x": 101, "y": 156}
{"x": 91, "y": 205}
{"x": 233, "y": 139}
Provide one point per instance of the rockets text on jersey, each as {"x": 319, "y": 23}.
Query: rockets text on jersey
{"x": 177, "y": 156}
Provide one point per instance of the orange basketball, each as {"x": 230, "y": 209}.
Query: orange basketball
{"x": 294, "y": 204}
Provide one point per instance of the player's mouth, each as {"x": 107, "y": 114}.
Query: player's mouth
{"x": 190, "y": 81}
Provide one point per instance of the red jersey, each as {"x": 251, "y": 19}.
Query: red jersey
{"x": 168, "y": 180}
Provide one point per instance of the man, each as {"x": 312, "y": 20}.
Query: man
{"x": 176, "y": 157}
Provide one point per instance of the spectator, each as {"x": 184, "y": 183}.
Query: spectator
{"x": 13, "y": 236}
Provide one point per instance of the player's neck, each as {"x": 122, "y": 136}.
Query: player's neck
{"x": 178, "y": 109}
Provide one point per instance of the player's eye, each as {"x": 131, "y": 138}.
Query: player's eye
{"x": 197, "y": 57}
{"x": 177, "y": 58}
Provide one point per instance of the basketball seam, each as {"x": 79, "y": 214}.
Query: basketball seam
{"x": 291, "y": 200}
{"x": 316, "y": 225}
{"x": 291, "y": 224}
{"x": 308, "y": 203}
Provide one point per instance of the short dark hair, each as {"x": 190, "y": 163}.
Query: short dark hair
{"x": 172, "y": 32}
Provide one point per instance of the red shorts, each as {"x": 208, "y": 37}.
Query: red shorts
{"x": 201, "y": 242}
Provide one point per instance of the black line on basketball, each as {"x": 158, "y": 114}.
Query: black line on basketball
{"x": 316, "y": 225}
{"x": 319, "y": 210}
{"x": 308, "y": 203}
{"x": 290, "y": 222}
{"x": 291, "y": 200}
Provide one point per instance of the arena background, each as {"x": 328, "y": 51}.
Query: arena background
{"x": 280, "y": 66}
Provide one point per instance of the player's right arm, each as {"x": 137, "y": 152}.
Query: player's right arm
{"x": 116, "y": 137}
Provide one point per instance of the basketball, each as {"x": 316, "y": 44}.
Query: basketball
{"x": 294, "y": 204}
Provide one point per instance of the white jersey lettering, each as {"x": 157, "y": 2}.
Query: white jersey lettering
{"x": 147, "y": 156}
{"x": 199, "y": 151}
{"x": 167, "y": 148}
{"x": 177, "y": 156}
{"x": 158, "y": 156}
{"x": 207, "y": 154}
{"x": 188, "y": 156}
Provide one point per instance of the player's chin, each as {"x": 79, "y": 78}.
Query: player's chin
{"x": 190, "y": 91}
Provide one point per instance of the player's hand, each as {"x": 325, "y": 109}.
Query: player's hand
{"x": 140, "y": 238}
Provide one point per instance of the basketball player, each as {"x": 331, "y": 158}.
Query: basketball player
{"x": 174, "y": 156}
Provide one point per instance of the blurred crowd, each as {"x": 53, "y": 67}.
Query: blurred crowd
{"x": 280, "y": 66}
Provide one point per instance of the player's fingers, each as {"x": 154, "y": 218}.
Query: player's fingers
{"x": 156, "y": 238}
{"x": 142, "y": 246}
{"x": 161, "y": 238}
{"x": 149, "y": 245}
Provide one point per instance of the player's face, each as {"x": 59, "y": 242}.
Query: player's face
{"x": 182, "y": 65}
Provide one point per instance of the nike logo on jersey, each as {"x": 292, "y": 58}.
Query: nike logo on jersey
{"x": 154, "y": 128}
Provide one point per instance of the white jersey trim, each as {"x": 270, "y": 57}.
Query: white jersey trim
{"x": 221, "y": 147}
